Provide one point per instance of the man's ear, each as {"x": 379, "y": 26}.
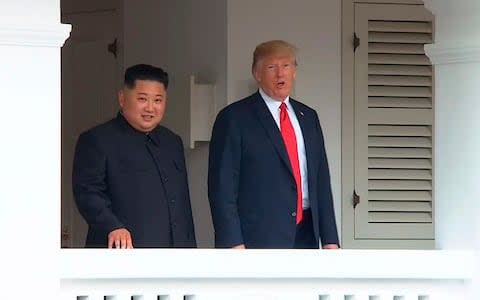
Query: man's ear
{"x": 121, "y": 98}
{"x": 255, "y": 74}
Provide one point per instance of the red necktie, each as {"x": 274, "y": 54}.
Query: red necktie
{"x": 290, "y": 140}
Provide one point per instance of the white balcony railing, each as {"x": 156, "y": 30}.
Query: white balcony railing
{"x": 171, "y": 274}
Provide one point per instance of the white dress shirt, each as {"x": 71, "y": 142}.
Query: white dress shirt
{"x": 274, "y": 107}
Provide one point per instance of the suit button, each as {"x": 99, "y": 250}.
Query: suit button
{"x": 165, "y": 179}
{"x": 172, "y": 200}
{"x": 294, "y": 214}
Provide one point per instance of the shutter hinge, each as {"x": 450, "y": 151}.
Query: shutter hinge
{"x": 356, "y": 199}
{"x": 356, "y": 41}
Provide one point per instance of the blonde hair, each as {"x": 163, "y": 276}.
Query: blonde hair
{"x": 272, "y": 47}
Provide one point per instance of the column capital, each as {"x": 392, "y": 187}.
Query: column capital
{"x": 36, "y": 35}
{"x": 453, "y": 52}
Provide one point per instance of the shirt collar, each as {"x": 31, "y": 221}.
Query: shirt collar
{"x": 273, "y": 105}
{"x": 134, "y": 132}
{"x": 269, "y": 99}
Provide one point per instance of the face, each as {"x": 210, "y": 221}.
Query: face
{"x": 144, "y": 105}
{"x": 275, "y": 74}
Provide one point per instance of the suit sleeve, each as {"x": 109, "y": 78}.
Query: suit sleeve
{"x": 90, "y": 187}
{"x": 223, "y": 180}
{"x": 327, "y": 225}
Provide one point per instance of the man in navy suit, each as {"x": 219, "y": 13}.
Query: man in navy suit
{"x": 129, "y": 177}
{"x": 268, "y": 178}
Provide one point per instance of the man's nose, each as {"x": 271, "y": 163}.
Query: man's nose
{"x": 279, "y": 71}
{"x": 149, "y": 106}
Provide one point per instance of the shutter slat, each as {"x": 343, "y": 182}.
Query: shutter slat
{"x": 400, "y": 70}
{"x": 399, "y": 206}
{"x": 396, "y": 26}
{"x": 400, "y": 195}
{"x": 396, "y": 48}
{"x": 399, "y": 153}
{"x": 399, "y": 80}
{"x": 408, "y": 130}
{"x": 400, "y": 37}
{"x": 399, "y": 163}
{"x": 399, "y": 185}
{"x": 417, "y": 142}
{"x": 399, "y": 174}
{"x": 399, "y": 102}
{"x": 395, "y": 91}
{"x": 400, "y": 116}
{"x": 398, "y": 59}
{"x": 399, "y": 217}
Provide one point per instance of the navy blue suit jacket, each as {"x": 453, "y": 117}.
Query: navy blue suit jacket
{"x": 123, "y": 178}
{"x": 251, "y": 186}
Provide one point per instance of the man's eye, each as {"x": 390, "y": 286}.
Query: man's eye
{"x": 142, "y": 99}
{"x": 271, "y": 67}
{"x": 158, "y": 100}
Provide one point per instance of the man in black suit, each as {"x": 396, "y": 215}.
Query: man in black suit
{"x": 268, "y": 179}
{"x": 129, "y": 176}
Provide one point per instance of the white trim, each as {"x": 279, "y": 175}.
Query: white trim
{"x": 452, "y": 52}
{"x": 36, "y": 35}
{"x": 286, "y": 264}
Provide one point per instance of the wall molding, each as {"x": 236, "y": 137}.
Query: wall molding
{"x": 453, "y": 52}
{"x": 34, "y": 35}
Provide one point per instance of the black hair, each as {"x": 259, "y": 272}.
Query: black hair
{"x": 145, "y": 72}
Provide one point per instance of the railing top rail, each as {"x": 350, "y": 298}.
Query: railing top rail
{"x": 228, "y": 263}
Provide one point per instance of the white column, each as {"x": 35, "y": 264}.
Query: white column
{"x": 456, "y": 56}
{"x": 30, "y": 39}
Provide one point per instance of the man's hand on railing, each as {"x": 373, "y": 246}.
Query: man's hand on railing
{"x": 120, "y": 239}
{"x": 331, "y": 246}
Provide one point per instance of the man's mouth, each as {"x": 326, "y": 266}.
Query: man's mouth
{"x": 281, "y": 84}
{"x": 147, "y": 117}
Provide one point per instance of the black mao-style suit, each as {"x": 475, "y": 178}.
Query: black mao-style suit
{"x": 123, "y": 178}
{"x": 251, "y": 186}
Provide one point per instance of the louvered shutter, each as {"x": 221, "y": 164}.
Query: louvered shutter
{"x": 393, "y": 123}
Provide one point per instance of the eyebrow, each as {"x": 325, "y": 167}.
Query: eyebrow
{"x": 145, "y": 94}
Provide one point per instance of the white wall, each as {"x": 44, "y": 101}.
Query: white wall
{"x": 314, "y": 27}
{"x": 456, "y": 56}
{"x": 457, "y": 147}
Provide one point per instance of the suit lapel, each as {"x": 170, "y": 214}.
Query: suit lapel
{"x": 268, "y": 123}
